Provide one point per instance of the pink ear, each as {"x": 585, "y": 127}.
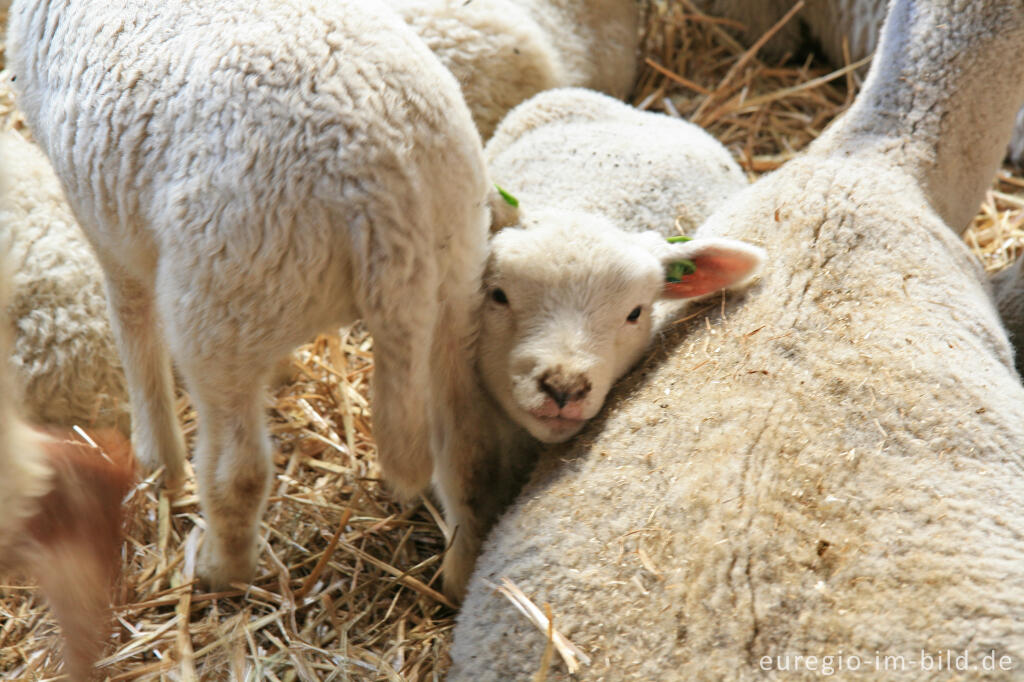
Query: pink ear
{"x": 718, "y": 267}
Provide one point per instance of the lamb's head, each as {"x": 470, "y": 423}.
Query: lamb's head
{"x": 568, "y": 310}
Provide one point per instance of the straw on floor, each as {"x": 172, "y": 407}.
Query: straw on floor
{"x": 348, "y": 583}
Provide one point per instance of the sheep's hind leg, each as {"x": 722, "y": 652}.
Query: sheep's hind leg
{"x": 402, "y": 388}
{"x": 156, "y": 434}
{"x": 233, "y": 465}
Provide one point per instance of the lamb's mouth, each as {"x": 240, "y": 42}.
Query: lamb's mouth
{"x": 559, "y": 428}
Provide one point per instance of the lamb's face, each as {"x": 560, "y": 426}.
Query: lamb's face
{"x": 568, "y": 311}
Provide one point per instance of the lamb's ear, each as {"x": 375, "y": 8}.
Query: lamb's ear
{"x": 704, "y": 266}
{"x": 504, "y": 209}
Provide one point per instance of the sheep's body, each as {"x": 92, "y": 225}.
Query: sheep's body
{"x": 829, "y": 23}
{"x": 582, "y": 271}
{"x": 504, "y": 51}
{"x": 63, "y": 354}
{"x": 313, "y": 164}
{"x": 579, "y": 150}
{"x": 599, "y": 185}
{"x": 831, "y": 467}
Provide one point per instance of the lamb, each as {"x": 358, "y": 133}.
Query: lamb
{"x": 314, "y": 164}
{"x": 504, "y": 51}
{"x": 64, "y": 355}
{"x": 829, "y": 25}
{"x": 575, "y": 275}
{"x": 829, "y": 466}
{"x": 60, "y": 516}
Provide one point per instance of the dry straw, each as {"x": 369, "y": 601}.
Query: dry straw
{"x": 347, "y": 588}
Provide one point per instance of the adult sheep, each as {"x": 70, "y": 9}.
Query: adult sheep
{"x": 576, "y": 280}
{"x": 831, "y": 467}
{"x": 504, "y": 51}
{"x": 313, "y": 164}
{"x": 63, "y": 351}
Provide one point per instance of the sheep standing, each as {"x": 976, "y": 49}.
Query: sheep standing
{"x": 64, "y": 355}
{"x": 832, "y": 466}
{"x": 314, "y": 164}
{"x": 829, "y": 24}
{"x": 60, "y": 502}
{"x": 504, "y": 51}
{"x": 574, "y": 277}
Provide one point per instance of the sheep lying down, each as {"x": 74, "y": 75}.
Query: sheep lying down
{"x": 570, "y": 309}
{"x": 830, "y": 466}
{"x": 580, "y": 276}
{"x": 577, "y": 285}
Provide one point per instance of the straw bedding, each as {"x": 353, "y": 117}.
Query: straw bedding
{"x": 348, "y": 584}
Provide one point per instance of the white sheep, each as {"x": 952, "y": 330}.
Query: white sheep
{"x": 60, "y": 501}
{"x": 828, "y": 24}
{"x": 63, "y": 353}
{"x": 504, "y": 51}
{"x": 832, "y": 466}
{"x": 313, "y": 164}
{"x": 573, "y": 284}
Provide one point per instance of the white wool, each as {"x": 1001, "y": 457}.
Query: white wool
{"x": 599, "y": 185}
{"x": 830, "y": 465}
{"x": 313, "y": 164}
{"x": 63, "y": 353}
{"x": 504, "y": 51}
{"x": 573, "y": 285}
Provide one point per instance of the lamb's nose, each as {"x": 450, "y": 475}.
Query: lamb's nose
{"x": 563, "y": 388}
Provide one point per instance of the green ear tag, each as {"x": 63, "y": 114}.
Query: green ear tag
{"x": 679, "y": 269}
{"x": 676, "y": 271}
{"x": 509, "y": 199}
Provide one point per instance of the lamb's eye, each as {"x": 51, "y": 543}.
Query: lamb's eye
{"x": 498, "y": 296}
{"x": 635, "y": 315}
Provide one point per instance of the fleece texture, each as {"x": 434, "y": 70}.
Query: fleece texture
{"x": 504, "y": 51}
{"x": 829, "y": 466}
{"x": 313, "y": 164}
{"x": 579, "y": 150}
{"x": 590, "y": 175}
{"x": 63, "y": 354}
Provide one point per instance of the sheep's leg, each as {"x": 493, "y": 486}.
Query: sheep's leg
{"x": 155, "y": 432}
{"x": 402, "y": 388}
{"x": 476, "y": 483}
{"x": 470, "y": 511}
{"x": 233, "y": 464}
